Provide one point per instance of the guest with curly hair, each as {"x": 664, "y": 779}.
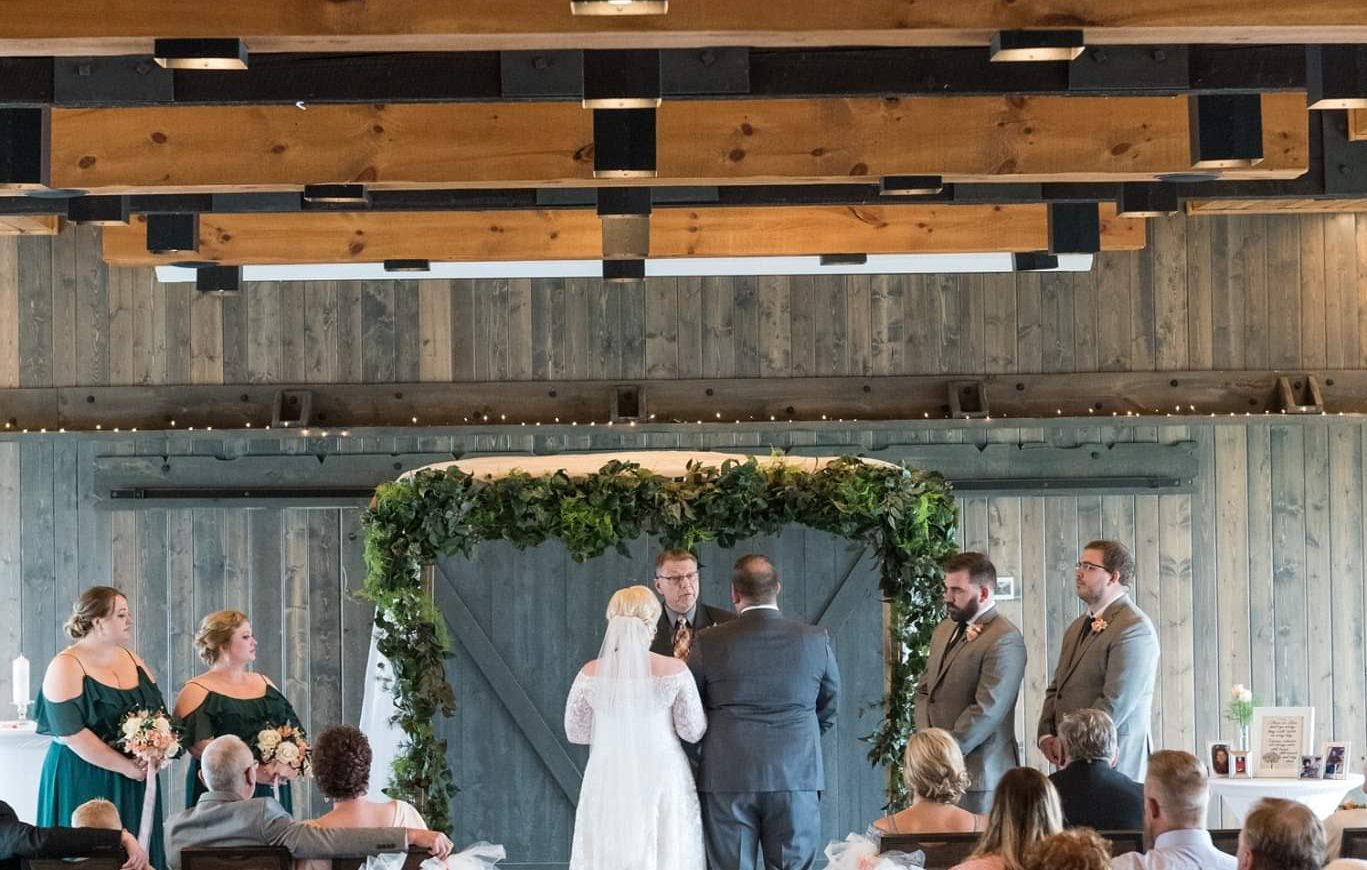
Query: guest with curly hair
{"x": 1075, "y": 849}
{"x": 341, "y": 771}
{"x": 935, "y": 775}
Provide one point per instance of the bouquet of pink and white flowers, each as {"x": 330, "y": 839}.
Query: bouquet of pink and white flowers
{"x": 286, "y": 746}
{"x": 149, "y": 736}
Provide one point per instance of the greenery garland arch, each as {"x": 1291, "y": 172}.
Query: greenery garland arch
{"x": 906, "y": 516}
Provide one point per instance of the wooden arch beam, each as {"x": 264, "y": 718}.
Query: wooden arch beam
{"x": 335, "y": 237}
{"x": 969, "y": 139}
{"x": 38, "y": 27}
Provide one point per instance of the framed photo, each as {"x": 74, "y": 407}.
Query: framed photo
{"x": 1312, "y": 767}
{"x": 1336, "y": 757}
{"x": 1238, "y": 763}
{"x": 1006, "y": 589}
{"x": 1281, "y": 735}
{"x": 1217, "y": 759}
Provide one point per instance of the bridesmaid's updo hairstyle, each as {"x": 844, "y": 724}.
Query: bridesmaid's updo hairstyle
{"x": 97, "y": 602}
{"x": 341, "y": 763}
{"x": 216, "y": 632}
{"x": 637, "y": 602}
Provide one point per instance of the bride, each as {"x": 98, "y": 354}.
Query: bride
{"x": 638, "y": 807}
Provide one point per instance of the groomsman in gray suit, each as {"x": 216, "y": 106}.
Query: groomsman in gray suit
{"x": 969, "y": 688}
{"x": 1108, "y": 661}
{"x": 770, "y": 687}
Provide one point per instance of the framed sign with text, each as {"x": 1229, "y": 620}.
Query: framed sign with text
{"x": 1280, "y": 736}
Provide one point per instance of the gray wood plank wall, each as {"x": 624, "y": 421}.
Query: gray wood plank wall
{"x": 1256, "y": 577}
{"x": 1209, "y": 293}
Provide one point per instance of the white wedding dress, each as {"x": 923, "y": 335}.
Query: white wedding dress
{"x": 638, "y": 806}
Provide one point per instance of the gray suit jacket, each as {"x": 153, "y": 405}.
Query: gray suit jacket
{"x": 971, "y": 693}
{"x": 223, "y": 818}
{"x": 1112, "y": 671}
{"x": 770, "y": 687}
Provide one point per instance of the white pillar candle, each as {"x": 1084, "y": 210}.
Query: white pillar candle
{"x": 20, "y": 679}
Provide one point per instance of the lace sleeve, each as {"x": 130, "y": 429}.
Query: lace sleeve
{"x": 689, "y": 721}
{"x": 578, "y": 712}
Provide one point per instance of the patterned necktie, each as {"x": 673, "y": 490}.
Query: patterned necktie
{"x": 683, "y": 639}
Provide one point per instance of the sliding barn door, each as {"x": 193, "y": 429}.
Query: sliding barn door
{"x": 524, "y": 622}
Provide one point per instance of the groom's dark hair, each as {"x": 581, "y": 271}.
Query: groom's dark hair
{"x": 755, "y": 579}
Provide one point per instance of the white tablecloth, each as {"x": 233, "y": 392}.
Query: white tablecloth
{"x": 21, "y": 763}
{"x": 1322, "y": 796}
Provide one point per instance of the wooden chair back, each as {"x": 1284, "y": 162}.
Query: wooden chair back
{"x": 236, "y": 858}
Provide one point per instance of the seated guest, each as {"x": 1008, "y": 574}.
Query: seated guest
{"x": 1076, "y": 849}
{"x": 1093, "y": 793}
{"x": 341, "y": 771}
{"x": 934, "y": 772}
{"x": 228, "y": 815}
{"x": 1176, "y": 794}
{"x": 1025, "y": 810}
{"x": 18, "y": 840}
{"x": 1349, "y": 815}
{"x": 96, "y": 813}
{"x": 1280, "y": 834}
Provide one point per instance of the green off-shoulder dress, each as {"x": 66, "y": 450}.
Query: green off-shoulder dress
{"x": 69, "y": 780}
{"x": 219, "y": 714}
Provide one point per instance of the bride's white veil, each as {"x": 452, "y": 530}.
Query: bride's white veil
{"x": 619, "y": 812}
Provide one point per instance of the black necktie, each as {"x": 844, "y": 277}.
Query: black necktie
{"x": 960, "y": 629}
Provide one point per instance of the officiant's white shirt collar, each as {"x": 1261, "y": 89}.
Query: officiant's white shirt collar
{"x": 674, "y": 615}
{"x": 759, "y": 607}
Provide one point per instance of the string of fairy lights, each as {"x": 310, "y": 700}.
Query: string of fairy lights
{"x": 14, "y": 427}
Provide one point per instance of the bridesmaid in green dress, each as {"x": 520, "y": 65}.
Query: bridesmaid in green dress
{"x": 229, "y": 699}
{"x": 88, "y": 689}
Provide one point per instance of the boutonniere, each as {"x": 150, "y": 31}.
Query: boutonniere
{"x": 973, "y": 631}
{"x": 1098, "y": 624}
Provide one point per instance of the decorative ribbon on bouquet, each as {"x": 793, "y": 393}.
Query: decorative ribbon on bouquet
{"x": 149, "y": 736}
{"x": 284, "y": 745}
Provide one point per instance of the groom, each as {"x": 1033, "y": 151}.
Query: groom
{"x": 770, "y": 686}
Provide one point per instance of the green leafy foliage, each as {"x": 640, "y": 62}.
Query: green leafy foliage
{"x": 907, "y": 517}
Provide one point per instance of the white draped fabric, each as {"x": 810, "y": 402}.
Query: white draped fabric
{"x": 377, "y": 707}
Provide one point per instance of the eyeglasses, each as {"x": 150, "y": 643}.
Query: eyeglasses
{"x": 1090, "y": 566}
{"x": 677, "y": 579}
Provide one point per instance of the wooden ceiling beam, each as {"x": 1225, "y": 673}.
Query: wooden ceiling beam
{"x": 963, "y": 139}
{"x": 335, "y": 237}
{"x": 1275, "y": 206}
{"x": 30, "y": 225}
{"x": 90, "y": 27}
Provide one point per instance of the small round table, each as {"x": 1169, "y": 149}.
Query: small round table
{"x": 1322, "y": 796}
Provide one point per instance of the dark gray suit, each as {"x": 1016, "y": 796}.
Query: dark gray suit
{"x": 222, "y": 818}
{"x": 770, "y": 687}
{"x": 970, "y": 691}
{"x": 1112, "y": 670}
{"x": 704, "y": 616}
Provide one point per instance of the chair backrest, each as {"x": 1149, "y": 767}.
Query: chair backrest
{"x": 1226, "y": 840}
{"x": 99, "y": 862}
{"x": 1124, "y": 842}
{"x": 236, "y": 858}
{"x": 1354, "y": 844}
{"x": 942, "y": 851}
{"x": 352, "y": 862}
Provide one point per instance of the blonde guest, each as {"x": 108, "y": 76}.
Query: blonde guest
{"x": 97, "y": 813}
{"x": 934, "y": 773}
{"x": 1025, "y": 810}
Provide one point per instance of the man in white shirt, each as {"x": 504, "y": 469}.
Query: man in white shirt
{"x": 1175, "y": 798}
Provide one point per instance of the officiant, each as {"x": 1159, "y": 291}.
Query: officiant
{"x": 684, "y": 614}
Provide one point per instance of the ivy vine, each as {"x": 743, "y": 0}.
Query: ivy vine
{"x": 907, "y": 517}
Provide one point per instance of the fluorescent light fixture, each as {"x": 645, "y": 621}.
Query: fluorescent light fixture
{"x": 336, "y": 194}
{"x": 1037, "y": 45}
{"x": 911, "y": 185}
{"x": 202, "y": 54}
{"x": 619, "y": 7}
{"x": 875, "y": 264}
{"x": 423, "y": 266}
